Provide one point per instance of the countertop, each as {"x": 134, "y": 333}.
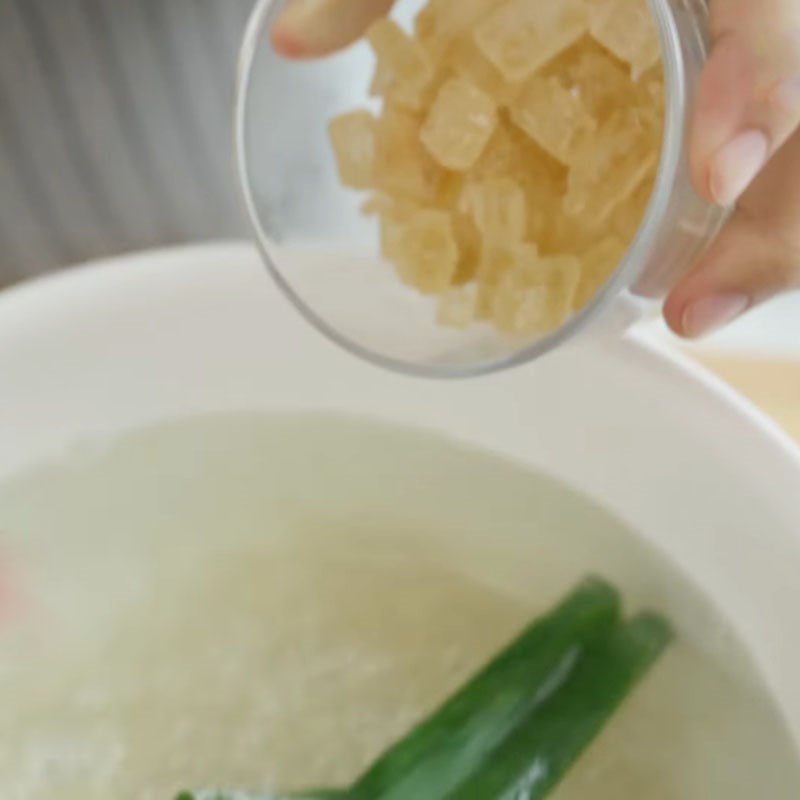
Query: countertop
{"x": 771, "y": 383}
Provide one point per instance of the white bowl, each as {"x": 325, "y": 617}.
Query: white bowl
{"x": 669, "y": 450}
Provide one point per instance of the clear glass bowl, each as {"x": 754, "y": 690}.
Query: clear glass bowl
{"x": 324, "y": 254}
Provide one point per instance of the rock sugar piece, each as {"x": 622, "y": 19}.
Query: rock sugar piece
{"x": 466, "y": 59}
{"x": 469, "y": 241}
{"x": 425, "y": 251}
{"x": 511, "y": 153}
{"x": 459, "y": 124}
{"x": 522, "y": 35}
{"x": 393, "y": 215}
{"x": 514, "y": 154}
{"x": 627, "y": 218}
{"x": 619, "y": 133}
{"x": 538, "y": 297}
{"x": 458, "y": 307}
{"x": 498, "y": 260}
{"x": 498, "y": 208}
{"x": 598, "y": 263}
{"x": 403, "y": 167}
{"x": 594, "y": 200}
{"x": 628, "y": 30}
{"x": 404, "y": 71}
{"x": 553, "y": 115}
{"x": 604, "y": 85}
{"x": 441, "y": 22}
{"x": 353, "y": 139}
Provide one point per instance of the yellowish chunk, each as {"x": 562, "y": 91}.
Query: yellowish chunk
{"x": 467, "y": 60}
{"x": 353, "y": 139}
{"x": 514, "y": 155}
{"x": 628, "y": 30}
{"x": 566, "y": 234}
{"x": 424, "y": 251}
{"x": 442, "y": 22}
{"x": 404, "y": 69}
{"x": 650, "y": 106}
{"x": 403, "y": 166}
{"x": 459, "y": 124}
{"x": 554, "y": 116}
{"x": 458, "y": 307}
{"x": 627, "y": 218}
{"x": 469, "y": 248}
{"x": 497, "y": 260}
{"x": 603, "y": 84}
{"x": 593, "y": 154}
{"x": 598, "y": 263}
{"x": 536, "y": 298}
{"x": 497, "y": 205}
{"x": 393, "y": 214}
{"x": 522, "y": 35}
{"x": 594, "y": 201}
{"x": 386, "y": 205}
{"x": 450, "y": 190}
{"x": 502, "y": 155}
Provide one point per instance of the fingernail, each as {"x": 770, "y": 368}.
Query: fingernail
{"x": 311, "y": 28}
{"x": 736, "y": 164}
{"x": 711, "y": 313}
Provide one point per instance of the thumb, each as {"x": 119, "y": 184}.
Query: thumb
{"x": 748, "y": 102}
{"x": 314, "y": 28}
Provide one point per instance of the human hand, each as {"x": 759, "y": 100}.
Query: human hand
{"x": 745, "y": 145}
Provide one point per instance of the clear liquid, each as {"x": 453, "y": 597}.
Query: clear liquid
{"x": 261, "y": 602}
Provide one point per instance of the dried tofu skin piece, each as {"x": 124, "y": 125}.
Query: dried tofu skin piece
{"x": 424, "y": 251}
{"x": 522, "y": 35}
{"x": 627, "y": 28}
{"x": 498, "y": 208}
{"x": 459, "y": 124}
{"x": 538, "y": 297}
{"x": 403, "y": 167}
{"x": 404, "y": 70}
{"x": 553, "y": 115}
{"x": 598, "y": 264}
{"x": 353, "y": 138}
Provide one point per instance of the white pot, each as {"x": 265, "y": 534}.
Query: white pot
{"x": 668, "y": 449}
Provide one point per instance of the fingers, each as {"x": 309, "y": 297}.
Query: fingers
{"x": 315, "y": 28}
{"x": 756, "y": 256}
{"x": 748, "y": 101}
{"x": 744, "y": 267}
{"x": 725, "y": 283}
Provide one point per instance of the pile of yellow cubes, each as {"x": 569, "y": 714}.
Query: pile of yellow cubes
{"x": 514, "y": 155}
